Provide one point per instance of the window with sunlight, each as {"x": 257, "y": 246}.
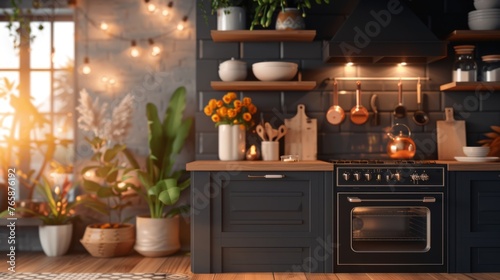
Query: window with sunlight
{"x": 37, "y": 102}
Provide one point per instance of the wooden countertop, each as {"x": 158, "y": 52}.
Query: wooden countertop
{"x": 316, "y": 165}
{"x": 259, "y": 165}
{"x": 470, "y": 166}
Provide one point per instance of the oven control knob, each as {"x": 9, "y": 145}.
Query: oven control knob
{"x": 368, "y": 176}
{"x": 346, "y": 176}
{"x": 378, "y": 177}
{"x": 388, "y": 176}
{"x": 415, "y": 177}
{"x": 357, "y": 176}
{"x": 397, "y": 176}
{"x": 424, "y": 177}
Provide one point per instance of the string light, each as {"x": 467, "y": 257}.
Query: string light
{"x": 166, "y": 11}
{"x": 155, "y": 49}
{"x": 134, "y": 50}
{"x": 104, "y": 26}
{"x": 86, "y": 66}
{"x": 182, "y": 24}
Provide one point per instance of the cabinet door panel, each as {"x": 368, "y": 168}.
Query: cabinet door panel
{"x": 252, "y": 205}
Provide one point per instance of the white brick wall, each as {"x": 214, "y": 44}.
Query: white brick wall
{"x": 148, "y": 79}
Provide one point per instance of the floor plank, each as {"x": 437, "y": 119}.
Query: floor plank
{"x": 149, "y": 265}
{"x": 244, "y": 276}
{"x": 321, "y": 276}
{"x": 484, "y": 276}
{"x": 352, "y": 276}
{"x": 203, "y": 277}
{"x": 289, "y": 276}
{"x": 449, "y": 276}
{"x": 399, "y": 276}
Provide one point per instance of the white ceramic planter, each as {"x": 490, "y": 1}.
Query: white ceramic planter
{"x": 55, "y": 239}
{"x": 231, "y": 18}
{"x": 231, "y": 142}
{"x": 157, "y": 237}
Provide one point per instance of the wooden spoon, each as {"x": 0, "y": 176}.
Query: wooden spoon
{"x": 359, "y": 114}
{"x": 335, "y": 114}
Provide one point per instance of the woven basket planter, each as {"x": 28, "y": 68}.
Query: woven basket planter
{"x": 109, "y": 242}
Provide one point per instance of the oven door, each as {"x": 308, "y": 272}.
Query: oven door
{"x": 390, "y": 228}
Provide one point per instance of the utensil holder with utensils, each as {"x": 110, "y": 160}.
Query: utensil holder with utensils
{"x": 270, "y": 148}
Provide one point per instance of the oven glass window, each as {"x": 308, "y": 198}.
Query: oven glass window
{"x": 390, "y": 229}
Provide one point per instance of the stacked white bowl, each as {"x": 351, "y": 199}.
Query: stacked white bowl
{"x": 486, "y": 16}
{"x": 233, "y": 70}
{"x": 472, "y": 151}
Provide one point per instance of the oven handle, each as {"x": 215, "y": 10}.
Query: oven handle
{"x": 425, "y": 200}
{"x": 268, "y": 176}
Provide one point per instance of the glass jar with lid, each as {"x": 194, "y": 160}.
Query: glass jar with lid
{"x": 464, "y": 67}
{"x": 491, "y": 68}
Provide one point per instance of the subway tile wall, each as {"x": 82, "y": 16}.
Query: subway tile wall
{"x": 480, "y": 110}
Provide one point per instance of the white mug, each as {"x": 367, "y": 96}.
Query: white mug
{"x": 270, "y": 150}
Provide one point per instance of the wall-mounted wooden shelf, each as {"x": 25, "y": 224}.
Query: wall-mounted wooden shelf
{"x": 263, "y": 35}
{"x": 474, "y": 35}
{"x": 470, "y": 86}
{"x": 258, "y": 85}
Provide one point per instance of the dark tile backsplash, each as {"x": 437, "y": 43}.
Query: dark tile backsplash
{"x": 480, "y": 110}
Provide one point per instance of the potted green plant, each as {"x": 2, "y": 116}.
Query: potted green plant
{"x": 58, "y": 214}
{"x": 108, "y": 175}
{"x": 265, "y": 10}
{"x": 231, "y": 14}
{"x": 158, "y": 233}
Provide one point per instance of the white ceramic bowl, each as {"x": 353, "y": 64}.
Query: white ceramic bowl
{"x": 485, "y": 23}
{"x": 476, "y": 151}
{"x": 486, "y": 4}
{"x": 232, "y": 75}
{"x": 275, "y": 70}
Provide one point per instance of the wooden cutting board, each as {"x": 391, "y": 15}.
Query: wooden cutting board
{"x": 450, "y": 136}
{"x": 301, "y": 137}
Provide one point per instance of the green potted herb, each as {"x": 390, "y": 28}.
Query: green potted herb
{"x": 231, "y": 14}
{"x": 158, "y": 233}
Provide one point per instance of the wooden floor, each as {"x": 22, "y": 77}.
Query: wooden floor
{"x": 84, "y": 263}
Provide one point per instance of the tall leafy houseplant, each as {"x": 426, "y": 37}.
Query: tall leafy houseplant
{"x": 166, "y": 140}
{"x": 158, "y": 234}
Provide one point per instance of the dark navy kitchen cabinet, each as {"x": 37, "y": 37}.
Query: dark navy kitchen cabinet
{"x": 475, "y": 221}
{"x": 244, "y": 222}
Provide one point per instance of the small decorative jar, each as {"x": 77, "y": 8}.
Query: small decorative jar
{"x": 464, "y": 67}
{"x": 491, "y": 68}
{"x": 290, "y": 18}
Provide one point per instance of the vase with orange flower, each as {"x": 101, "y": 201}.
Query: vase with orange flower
{"x": 232, "y": 117}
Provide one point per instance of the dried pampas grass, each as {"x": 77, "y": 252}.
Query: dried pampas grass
{"x": 93, "y": 118}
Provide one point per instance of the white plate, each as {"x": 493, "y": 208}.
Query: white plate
{"x": 476, "y": 159}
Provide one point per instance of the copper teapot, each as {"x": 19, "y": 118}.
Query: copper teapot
{"x": 401, "y": 146}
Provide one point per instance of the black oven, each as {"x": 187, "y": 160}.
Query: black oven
{"x": 390, "y": 217}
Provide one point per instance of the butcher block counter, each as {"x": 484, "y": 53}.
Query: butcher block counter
{"x": 259, "y": 165}
{"x": 471, "y": 166}
{"x": 315, "y": 165}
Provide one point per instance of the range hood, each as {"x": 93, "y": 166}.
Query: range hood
{"x": 383, "y": 31}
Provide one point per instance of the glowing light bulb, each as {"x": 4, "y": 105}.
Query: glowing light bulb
{"x": 134, "y": 51}
{"x": 182, "y": 24}
{"x": 155, "y": 49}
{"x": 151, "y": 7}
{"x": 86, "y": 66}
{"x": 112, "y": 81}
{"x": 165, "y": 12}
{"x": 104, "y": 26}
{"x": 349, "y": 64}
{"x": 104, "y": 79}
{"x": 402, "y": 64}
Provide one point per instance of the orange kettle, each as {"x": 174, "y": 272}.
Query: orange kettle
{"x": 401, "y": 146}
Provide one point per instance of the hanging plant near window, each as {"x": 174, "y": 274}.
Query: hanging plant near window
{"x": 23, "y": 18}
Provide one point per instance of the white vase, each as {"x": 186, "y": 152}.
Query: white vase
{"x": 55, "y": 239}
{"x": 231, "y": 18}
{"x": 157, "y": 237}
{"x": 231, "y": 142}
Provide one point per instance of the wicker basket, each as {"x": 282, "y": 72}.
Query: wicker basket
{"x": 109, "y": 242}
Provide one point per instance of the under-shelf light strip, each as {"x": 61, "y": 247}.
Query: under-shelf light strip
{"x": 379, "y": 78}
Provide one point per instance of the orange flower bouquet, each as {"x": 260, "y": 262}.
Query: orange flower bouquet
{"x": 230, "y": 110}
